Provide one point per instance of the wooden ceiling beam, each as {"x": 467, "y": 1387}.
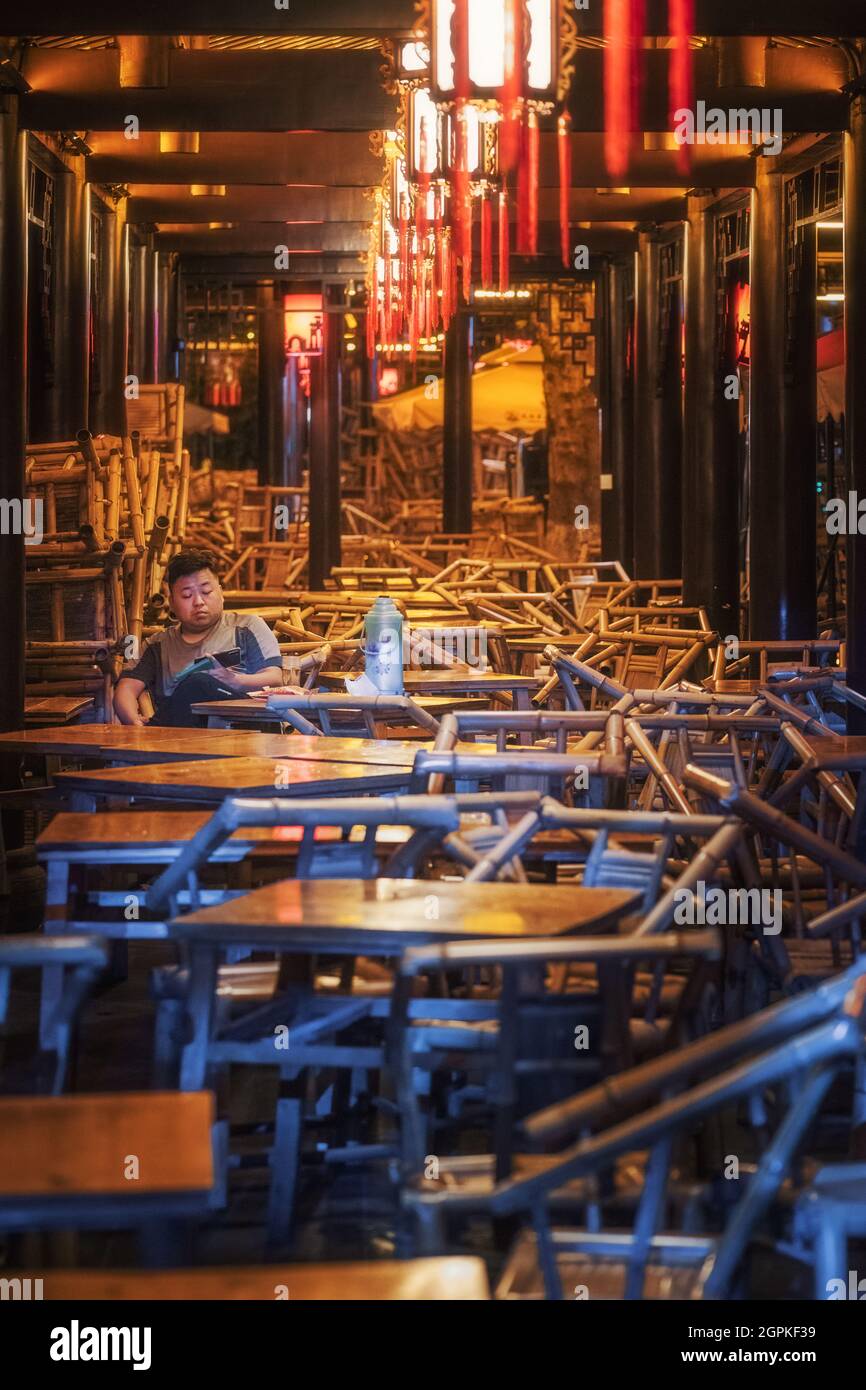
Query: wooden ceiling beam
{"x": 832, "y": 18}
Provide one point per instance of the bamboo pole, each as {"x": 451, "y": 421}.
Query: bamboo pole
{"x": 112, "y": 519}
{"x": 133, "y": 496}
{"x": 150, "y": 494}
{"x": 179, "y": 528}
{"x": 136, "y": 603}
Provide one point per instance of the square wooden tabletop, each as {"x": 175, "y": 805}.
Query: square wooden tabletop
{"x": 382, "y": 916}
{"x": 213, "y": 780}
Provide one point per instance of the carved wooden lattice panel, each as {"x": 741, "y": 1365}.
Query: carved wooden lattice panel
{"x": 568, "y": 312}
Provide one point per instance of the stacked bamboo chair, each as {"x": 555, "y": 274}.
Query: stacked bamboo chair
{"x": 114, "y": 513}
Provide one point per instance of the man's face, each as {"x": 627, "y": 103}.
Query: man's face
{"x": 197, "y": 599}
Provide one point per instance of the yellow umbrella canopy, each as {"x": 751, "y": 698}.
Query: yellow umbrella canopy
{"x": 507, "y": 394}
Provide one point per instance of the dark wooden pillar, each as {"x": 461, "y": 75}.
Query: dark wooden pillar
{"x": 115, "y": 281}
{"x": 710, "y": 483}
{"x": 617, "y": 416}
{"x": 782, "y": 350}
{"x": 72, "y": 334}
{"x": 855, "y": 394}
{"x": 272, "y": 388}
{"x": 457, "y": 437}
{"x": 296, "y": 412}
{"x": 150, "y": 309}
{"x": 658, "y": 409}
{"x": 13, "y": 413}
{"x": 325, "y": 521}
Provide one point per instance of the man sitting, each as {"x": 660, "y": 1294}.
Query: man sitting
{"x": 243, "y": 641}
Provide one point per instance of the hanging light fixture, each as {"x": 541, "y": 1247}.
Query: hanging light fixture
{"x": 472, "y": 84}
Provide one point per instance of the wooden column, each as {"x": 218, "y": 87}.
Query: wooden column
{"x": 72, "y": 333}
{"x": 325, "y": 520}
{"x": 117, "y": 327}
{"x": 710, "y": 488}
{"x": 150, "y": 310}
{"x": 617, "y": 416}
{"x": 658, "y": 410}
{"x": 13, "y": 414}
{"x": 457, "y": 437}
{"x": 782, "y": 350}
{"x": 296, "y": 413}
{"x": 272, "y": 388}
{"x": 855, "y": 394}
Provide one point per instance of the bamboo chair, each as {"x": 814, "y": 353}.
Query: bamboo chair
{"x": 430, "y": 818}
{"x": 78, "y": 962}
{"x": 516, "y": 1040}
{"x": 796, "y": 1048}
{"x": 364, "y": 714}
{"x": 814, "y": 874}
{"x": 554, "y": 773}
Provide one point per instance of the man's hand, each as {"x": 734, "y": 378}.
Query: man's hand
{"x": 226, "y": 676}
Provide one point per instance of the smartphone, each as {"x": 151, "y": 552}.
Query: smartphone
{"x": 228, "y": 659}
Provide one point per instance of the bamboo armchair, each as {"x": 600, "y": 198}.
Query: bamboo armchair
{"x": 811, "y": 1038}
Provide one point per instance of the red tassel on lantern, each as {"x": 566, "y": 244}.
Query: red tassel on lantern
{"x": 564, "y": 150}
{"x": 486, "y": 241}
{"x": 446, "y": 280}
{"x": 523, "y": 196}
{"x": 509, "y": 92}
{"x": 532, "y": 182}
{"x": 636, "y": 62}
{"x": 388, "y": 293}
{"x": 403, "y": 286}
{"x": 503, "y": 242}
{"x": 681, "y": 21}
{"x": 461, "y": 208}
{"x": 373, "y": 308}
{"x": 617, "y": 85}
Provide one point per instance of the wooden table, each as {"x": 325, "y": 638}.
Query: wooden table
{"x": 383, "y": 916}
{"x": 521, "y": 688}
{"x": 63, "y": 1159}
{"x": 456, "y": 1278}
{"x": 55, "y": 709}
{"x": 211, "y": 781}
{"x": 222, "y": 714}
{"x": 132, "y": 744}
{"x": 378, "y": 917}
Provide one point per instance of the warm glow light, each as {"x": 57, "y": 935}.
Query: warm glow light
{"x": 831, "y": 298}
{"x": 540, "y": 57}
{"x": 303, "y": 320}
{"x": 424, "y": 154}
{"x": 414, "y": 57}
{"x": 831, "y": 226}
{"x": 487, "y": 43}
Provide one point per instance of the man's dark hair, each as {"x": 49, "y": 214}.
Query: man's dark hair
{"x": 188, "y": 562}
